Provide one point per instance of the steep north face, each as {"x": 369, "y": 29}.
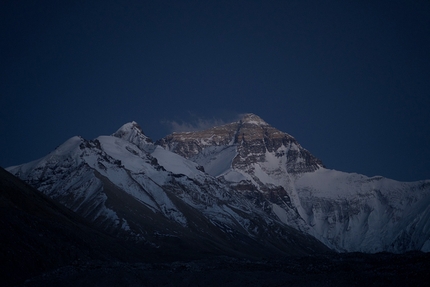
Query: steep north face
{"x": 252, "y": 137}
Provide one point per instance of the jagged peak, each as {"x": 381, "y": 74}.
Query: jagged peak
{"x": 133, "y": 133}
{"x": 128, "y": 127}
{"x": 251, "y": 118}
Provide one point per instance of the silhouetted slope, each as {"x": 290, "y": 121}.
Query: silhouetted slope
{"x": 38, "y": 234}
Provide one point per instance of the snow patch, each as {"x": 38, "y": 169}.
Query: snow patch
{"x": 176, "y": 163}
{"x": 216, "y": 160}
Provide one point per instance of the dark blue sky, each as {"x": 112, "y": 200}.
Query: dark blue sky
{"x": 349, "y": 79}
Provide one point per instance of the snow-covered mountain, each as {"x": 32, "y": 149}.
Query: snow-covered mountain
{"x": 234, "y": 188}
{"x": 142, "y": 192}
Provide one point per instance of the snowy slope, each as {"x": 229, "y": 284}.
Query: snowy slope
{"x": 355, "y": 212}
{"x": 216, "y": 160}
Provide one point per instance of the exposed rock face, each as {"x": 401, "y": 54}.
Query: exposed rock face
{"x": 241, "y": 152}
{"x": 252, "y": 137}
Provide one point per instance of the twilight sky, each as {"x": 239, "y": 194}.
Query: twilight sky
{"x": 350, "y": 80}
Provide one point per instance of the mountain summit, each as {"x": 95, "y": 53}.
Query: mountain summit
{"x": 252, "y": 119}
{"x": 133, "y": 133}
{"x": 250, "y": 140}
{"x": 239, "y": 188}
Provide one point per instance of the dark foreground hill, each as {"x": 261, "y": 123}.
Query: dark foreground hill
{"x": 335, "y": 270}
{"x": 38, "y": 234}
